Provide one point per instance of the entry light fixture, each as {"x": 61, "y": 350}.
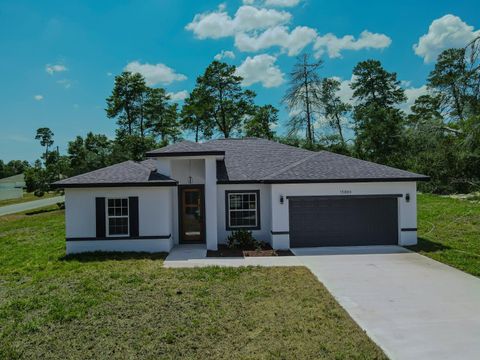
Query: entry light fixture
{"x": 281, "y": 199}
{"x": 407, "y": 197}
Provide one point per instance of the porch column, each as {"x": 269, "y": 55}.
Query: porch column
{"x": 211, "y": 202}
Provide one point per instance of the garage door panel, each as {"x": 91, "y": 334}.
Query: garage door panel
{"x": 318, "y": 221}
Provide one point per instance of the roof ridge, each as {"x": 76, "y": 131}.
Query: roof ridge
{"x": 289, "y": 166}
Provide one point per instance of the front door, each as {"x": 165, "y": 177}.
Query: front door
{"x": 192, "y": 216}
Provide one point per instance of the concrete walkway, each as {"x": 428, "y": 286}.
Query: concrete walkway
{"x": 30, "y": 205}
{"x": 413, "y": 307}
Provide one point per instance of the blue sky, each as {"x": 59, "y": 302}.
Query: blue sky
{"x": 58, "y": 58}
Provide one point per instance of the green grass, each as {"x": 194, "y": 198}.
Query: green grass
{"x": 128, "y": 306}
{"x": 449, "y": 231}
{"x": 26, "y": 198}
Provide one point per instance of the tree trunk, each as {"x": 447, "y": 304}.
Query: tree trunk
{"x": 339, "y": 128}
{"x": 196, "y": 132}
{"x": 307, "y": 101}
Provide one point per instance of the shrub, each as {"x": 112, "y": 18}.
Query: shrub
{"x": 242, "y": 239}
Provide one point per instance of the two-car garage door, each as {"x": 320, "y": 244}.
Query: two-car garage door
{"x": 343, "y": 221}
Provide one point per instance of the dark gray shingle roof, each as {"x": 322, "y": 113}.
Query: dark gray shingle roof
{"x": 260, "y": 160}
{"x": 128, "y": 173}
{"x": 185, "y": 148}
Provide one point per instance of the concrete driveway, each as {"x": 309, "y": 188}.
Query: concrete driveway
{"x": 410, "y": 305}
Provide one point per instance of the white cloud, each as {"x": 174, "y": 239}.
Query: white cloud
{"x": 261, "y": 69}
{"x": 155, "y": 73}
{"x": 446, "y": 32}
{"x": 65, "y": 83}
{"x": 38, "y": 97}
{"x": 218, "y": 24}
{"x": 224, "y": 54}
{"x": 291, "y": 42}
{"x": 109, "y": 74}
{"x": 178, "y": 96}
{"x": 333, "y": 45}
{"x": 282, "y": 3}
{"x": 412, "y": 94}
{"x": 51, "y": 69}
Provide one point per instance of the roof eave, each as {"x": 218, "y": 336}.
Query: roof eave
{"x": 184, "y": 153}
{"x": 318, "y": 181}
{"x": 118, "y": 184}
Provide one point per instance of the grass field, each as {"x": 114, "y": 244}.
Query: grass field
{"x": 130, "y": 307}
{"x": 26, "y": 197}
{"x": 449, "y": 231}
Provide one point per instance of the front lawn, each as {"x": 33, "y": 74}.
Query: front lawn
{"x": 449, "y": 231}
{"x": 131, "y": 307}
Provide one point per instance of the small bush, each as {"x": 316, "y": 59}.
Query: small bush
{"x": 242, "y": 239}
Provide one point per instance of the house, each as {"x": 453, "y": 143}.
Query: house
{"x": 199, "y": 192}
{"x": 12, "y": 187}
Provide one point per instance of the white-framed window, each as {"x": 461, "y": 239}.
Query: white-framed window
{"x": 117, "y": 217}
{"x": 243, "y": 209}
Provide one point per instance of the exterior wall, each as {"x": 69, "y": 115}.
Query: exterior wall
{"x": 11, "y": 193}
{"x": 265, "y": 211}
{"x": 183, "y": 170}
{"x": 211, "y": 211}
{"x": 155, "y": 219}
{"x": 407, "y": 211}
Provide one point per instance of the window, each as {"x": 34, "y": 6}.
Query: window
{"x": 117, "y": 217}
{"x": 243, "y": 209}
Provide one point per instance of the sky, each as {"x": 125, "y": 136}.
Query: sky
{"x": 58, "y": 59}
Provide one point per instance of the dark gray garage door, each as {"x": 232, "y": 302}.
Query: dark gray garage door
{"x": 343, "y": 221}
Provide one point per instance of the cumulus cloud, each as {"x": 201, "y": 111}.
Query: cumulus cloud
{"x": 178, "y": 96}
{"x": 224, "y": 54}
{"x": 155, "y": 73}
{"x": 51, "y": 69}
{"x": 446, "y": 32}
{"x": 334, "y": 45}
{"x": 261, "y": 69}
{"x": 291, "y": 42}
{"x": 218, "y": 24}
{"x": 38, "y": 97}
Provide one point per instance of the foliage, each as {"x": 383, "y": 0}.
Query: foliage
{"x": 45, "y": 135}
{"x": 225, "y": 103}
{"x": 13, "y": 167}
{"x": 91, "y": 153}
{"x": 125, "y": 305}
{"x": 242, "y": 239}
{"x": 261, "y": 123}
{"x": 195, "y": 115}
{"x": 335, "y": 110}
{"x": 302, "y": 96}
{"x": 378, "y": 122}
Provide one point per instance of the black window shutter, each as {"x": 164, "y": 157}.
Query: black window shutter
{"x": 133, "y": 214}
{"x": 100, "y": 216}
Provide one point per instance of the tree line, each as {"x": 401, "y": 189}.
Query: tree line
{"x": 439, "y": 136}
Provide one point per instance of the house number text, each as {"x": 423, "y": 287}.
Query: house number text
{"x": 345, "y": 191}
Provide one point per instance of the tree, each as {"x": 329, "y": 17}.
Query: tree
{"x": 195, "y": 115}
{"x": 161, "y": 117}
{"x": 334, "y": 109}
{"x": 260, "y": 124}
{"x": 378, "y": 121}
{"x": 126, "y": 103}
{"x": 91, "y": 153}
{"x": 448, "y": 81}
{"x": 302, "y": 96}
{"x": 45, "y": 135}
{"x": 225, "y": 101}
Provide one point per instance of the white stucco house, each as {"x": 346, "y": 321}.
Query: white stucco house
{"x": 199, "y": 192}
